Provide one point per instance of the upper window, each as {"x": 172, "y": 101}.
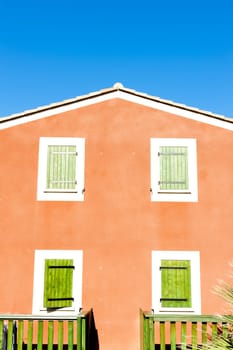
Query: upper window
{"x": 57, "y": 281}
{"x": 61, "y": 169}
{"x": 176, "y": 281}
{"x": 173, "y": 170}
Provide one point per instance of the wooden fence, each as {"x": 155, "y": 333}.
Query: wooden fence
{"x": 179, "y": 331}
{"x": 46, "y": 332}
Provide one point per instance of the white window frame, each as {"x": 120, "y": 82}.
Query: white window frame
{"x": 38, "y": 282}
{"x": 78, "y": 193}
{"x": 194, "y": 258}
{"x": 158, "y": 195}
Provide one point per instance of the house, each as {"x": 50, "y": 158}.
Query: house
{"x": 115, "y": 201}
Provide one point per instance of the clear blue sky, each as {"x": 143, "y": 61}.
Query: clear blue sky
{"x": 177, "y": 50}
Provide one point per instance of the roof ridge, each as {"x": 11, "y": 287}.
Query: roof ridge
{"x": 116, "y": 87}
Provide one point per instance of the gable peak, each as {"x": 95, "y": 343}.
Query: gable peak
{"x": 118, "y": 85}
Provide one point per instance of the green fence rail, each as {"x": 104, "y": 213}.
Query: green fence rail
{"x": 178, "y": 331}
{"x": 45, "y": 332}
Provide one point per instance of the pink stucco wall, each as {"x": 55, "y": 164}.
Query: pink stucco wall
{"x": 117, "y": 226}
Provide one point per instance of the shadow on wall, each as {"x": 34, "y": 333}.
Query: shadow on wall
{"x": 92, "y": 333}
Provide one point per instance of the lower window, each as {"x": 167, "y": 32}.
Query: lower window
{"x": 57, "y": 281}
{"x": 176, "y": 282}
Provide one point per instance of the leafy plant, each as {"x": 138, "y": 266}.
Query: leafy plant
{"x": 224, "y": 339}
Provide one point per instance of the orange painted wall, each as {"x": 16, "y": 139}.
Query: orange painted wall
{"x": 117, "y": 226}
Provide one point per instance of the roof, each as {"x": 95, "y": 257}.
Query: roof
{"x": 117, "y": 91}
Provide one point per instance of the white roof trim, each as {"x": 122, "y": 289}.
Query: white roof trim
{"x": 122, "y": 93}
{"x": 197, "y": 116}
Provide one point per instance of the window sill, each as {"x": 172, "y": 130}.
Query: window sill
{"x": 174, "y": 197}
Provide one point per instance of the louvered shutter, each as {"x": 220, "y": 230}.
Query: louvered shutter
{"x": 61, "y": 168}
{"x": 173, "y": 168}
{"x": 176, "y": 283}
{"x": 58, "y": 283}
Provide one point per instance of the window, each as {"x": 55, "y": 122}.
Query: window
{"x": 176, "y": 282}
{"x": 173, "y": 170}
{"x": 61, "y": 169}
{"x": 57, "y": 281}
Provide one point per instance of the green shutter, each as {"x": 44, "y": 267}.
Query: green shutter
{"x": 61, "y": 168}
{"x": 58, "y": 283}
{"x": 173, "y": 168}
{"x": 176, "y": 283}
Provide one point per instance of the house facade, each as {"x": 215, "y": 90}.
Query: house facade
{"x": 115, "y": 200}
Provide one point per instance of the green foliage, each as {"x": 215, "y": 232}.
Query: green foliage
{"x": 224, "y": 339}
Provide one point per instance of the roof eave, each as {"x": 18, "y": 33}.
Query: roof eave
{"x": 102, "y": 92}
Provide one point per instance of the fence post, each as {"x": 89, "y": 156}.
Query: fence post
{"x": 151, "y": 334}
